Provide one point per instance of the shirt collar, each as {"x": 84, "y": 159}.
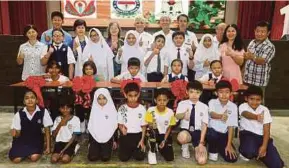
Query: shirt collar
{"x": 219, "y": 77}
{"x": 26, "y": 111}
{"x": 60, "y": 45}
{"x": 219, "y": 103}
{"x": 265, "y": 42}
{"x": 36, "y": 44}
{"x": 179, "y": 75}
{"x": 162, "y": 112}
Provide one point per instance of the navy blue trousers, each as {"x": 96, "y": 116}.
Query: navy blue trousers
{"x": 217, "y": 143}
{"x": 249, "y": 148}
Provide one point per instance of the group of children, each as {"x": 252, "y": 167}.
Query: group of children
{"x": 132, "y": 128}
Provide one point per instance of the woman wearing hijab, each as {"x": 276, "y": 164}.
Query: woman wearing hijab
{"x": 205, "y": 54}
{"x": 99, "y": 52}
{"x": 102, "y": 126}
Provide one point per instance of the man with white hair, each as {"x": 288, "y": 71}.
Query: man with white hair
{"x": 144, "y": 38}
{"x": 220, "y": 28}
{"x": 165, "y": 22}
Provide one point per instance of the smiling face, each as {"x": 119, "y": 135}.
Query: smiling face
{"x": 131, "y": 39}
{"x": 65, "y": 110}
{"x": 194, "y": 95}
{"x": 57, "y": 22}
{"x": 30, "y": 100}
{"x": 261, "y": 33}
{"x": 231, "y": 33}
{"x": 160, "y": 43}
{"x": 80, "y": 30}
{"x": 88, "y": 70}
{"x": 94, "y": 37}
{"x": 57, "y": 37}
{"x": 224, "y": 95}
{"x": 114, "y": 30}
{"x": 32, "y": 34}
{"x": 254, "y": 101}
{"x": 54, "y": 71}
{"x": 165, "y": 22}
{"x": 139, "y": 26}
{"x": 183, "y": 23}
{"x": 207, "y": 42}
{"x": 178, "y": 40}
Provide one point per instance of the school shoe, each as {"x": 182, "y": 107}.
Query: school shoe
{"x": 77, "y": 146}
{"x": 82, "y": 127}
{"x": 152, "y": 158}
{"x": 213, "y": 156}
{"x": 244, "y": 158}
{"x": 185, "y": 151}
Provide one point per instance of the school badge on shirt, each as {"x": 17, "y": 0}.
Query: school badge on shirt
{"x": 139, "y": 115}
{"x": 39, "y": 121}
{"x": 124, "y": 9}
{"x": 166, "y": 123}
{"x": 106, "y": 116}
{"x": 69, "y": 126}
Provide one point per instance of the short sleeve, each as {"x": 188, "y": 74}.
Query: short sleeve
{"x": 205, "y": 118}
{"x": 147, "y": 55}
{"x": 56, "y": 122}
{"x": 166, "y": 59}
{"x": 181, "y": 108}
{"x": 212, "y": 106}
{"x": 16, "y": 122}
{"x": 47, "y": 121}
{"x": 70, "y": 56}
{"x": 20, "y": 50}
{"x": 44, "y": 51}
{"x": 269, "y": 53}
{"x": 242, "y": 108}
{"x": 267, "y": 116}
{"x": 76, "y": 126}
{"x": 233, "y": 117}
{"x": 173, "y": 120}
{"x": 143, "y": 122}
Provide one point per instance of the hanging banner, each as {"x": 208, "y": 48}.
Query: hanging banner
{"x": 171, "y": 8}
{"x": 80, "y": 9}
{"x": 125, "y": 9}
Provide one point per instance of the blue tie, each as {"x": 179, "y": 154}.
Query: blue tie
{"x": 192, "y": 118}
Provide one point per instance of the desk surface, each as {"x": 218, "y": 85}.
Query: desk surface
{"x": 114, "y": 85}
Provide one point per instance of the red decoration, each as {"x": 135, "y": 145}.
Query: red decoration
{"x": 178, "y": 89}
{"x": 82, "y": 86}
{"x": 35, "y": 83}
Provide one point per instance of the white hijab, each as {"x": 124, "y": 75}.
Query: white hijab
{"x": 80, "y": 59}
{"x": 131, "y": 51}
{"x": 202, "y": 54}
{"x": 101, "y": 54}
{"x": 103, "y": 120}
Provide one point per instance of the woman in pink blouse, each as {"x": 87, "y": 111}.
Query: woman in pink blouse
{"x": 232, "y": 50}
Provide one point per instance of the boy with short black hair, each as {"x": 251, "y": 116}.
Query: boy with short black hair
{"x": 57, "y": 21}
{"x": 194, "y": 120}
{"x": 132, "y": 73}
{"x": 255, "y": 141}
{"x": 223, "y": 120}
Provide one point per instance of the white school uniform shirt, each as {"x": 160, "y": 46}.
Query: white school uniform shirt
{"x": 169, "y": 39}
{"x": 152, "y": 66}
{"x": 61, "y": 79}
{"x": 80, "y": 58}
{"x": 253, "y": 125}
{"x": 173, "y": 75}
{"x": 190, "y": 38}
{"x": 103, "y": 119}
{"x": 129, "y": 52}
{"x": 146, "y": 39}
{"x": 132, "y": 118}
{"x": 218, "y": 125}
{"x": 102, "y": 56}
{"x": 32, "y": 55}
{"x": 127, "y": 75}
{"x": 162, "y": 119}
{"x": 173, "y": 54}
{"x": 70, "y": 55}
{"x": 66, "y": 132}
{"x": 216, "y": 42}
{"x": 16, "y": 122}
{"x": 206, "y": 77}
{"x": 202, "y": 54}
{"x": 201, "y": 113}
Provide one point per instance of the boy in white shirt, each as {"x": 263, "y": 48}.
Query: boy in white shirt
{"x": 156, "y": 62}
{"x": 160, "y": 119}
{"x": 194, "y": 120}
{"x": 65, "y": 130}
{"x": 144, "y": 38}
{"x": 223, "y": 119}
{"x": 255, "y": 141}
{"x": 178, "y": 51}
{"x": 132, "y": 73}
{"x": 132, "y": 125}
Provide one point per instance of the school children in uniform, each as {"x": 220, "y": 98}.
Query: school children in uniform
{"x": 144, "y": 38}
{"x": 176, "y": 74}
{"x": 65, "y": 130}
{"x": 156, "y": 62}
{"x": 255, "y": 141}
{"x": 193, "y": 116}
{"x": 78, "y": 45}
{"x": 102, "y": 126}
{"x": 160, "y": 119}
{"x": 60, "y": 53}
{"x": 205, "y": 54}
{"x": 178, "y": 51}
{"x": 98, "y": 51}
{"x": 223, "y": 120}
{"x": 130, "y": 49}
{"x": 133, "y": 72}
{"x": 57, "y": 21}
{"x": 26, "y": 130}
{"x": 132, "y": 125}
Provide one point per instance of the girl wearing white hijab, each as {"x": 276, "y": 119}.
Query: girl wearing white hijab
{"x": 98, "y": 51}
{"x": 205, "y": 54}
{"x": 102, "y": 126}
{"x": 130, "y": 49}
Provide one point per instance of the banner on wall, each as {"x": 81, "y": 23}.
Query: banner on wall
{"x": 80, "y": 9}
{"x": 171, "y": 8}
{"x": 125, "y": 9}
